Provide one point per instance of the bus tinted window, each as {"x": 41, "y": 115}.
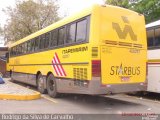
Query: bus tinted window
{"x": 25, "y": 47}
{"x": 54, "y": 35}
{"x": 61, "y": 35}
{"x": 28, "y": 46}
{"x": 17, "y": 50}
{"x": 71, "y": 33}
{"x": 150, "y": 34}
{"x": 20, "y": 49}
{"x": 42, "y": 41}
{"x": 14, "y": 50}
{"x": 81, "y": 30}
{"x": 32, "y": 45}
{"x": 36, "y": 45}
{"x": 157, "y": 37}
{"x": 11, "y": 52}
{"x": 17, "y": 47}
{"x": 47, "y": 35}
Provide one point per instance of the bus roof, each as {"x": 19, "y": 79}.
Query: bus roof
{"x": 152, "y": 24}
{"x": 55, "y": 25}
{"x": 64, "y": 21}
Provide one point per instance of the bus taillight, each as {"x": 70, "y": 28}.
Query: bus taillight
{"x": 96, "y": 68}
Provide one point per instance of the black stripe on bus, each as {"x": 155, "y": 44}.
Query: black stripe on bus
{"x": 50, "y": 64}
{"x": 64, "y": 78}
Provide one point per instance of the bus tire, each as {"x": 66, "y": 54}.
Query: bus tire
{"x": 52, "y": 87}
{"x": 40, "y": 84}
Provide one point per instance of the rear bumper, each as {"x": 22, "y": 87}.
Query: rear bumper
{"x": 95, "y": 87}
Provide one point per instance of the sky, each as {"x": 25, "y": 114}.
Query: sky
{"x": 67, "y": 7}
{"x": 72, "y": 6}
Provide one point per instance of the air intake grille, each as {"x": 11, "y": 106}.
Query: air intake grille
{"x": 80, "y": 73}
{"x": 123, "y": 44}
{"x": 137, "y": 45}
{"x": 94, "y": 52}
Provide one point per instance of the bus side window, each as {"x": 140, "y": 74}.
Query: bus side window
{"x": 13, "y": 51}
{"x": 71, "y": 33}
{"x": 20, "y": 49}
{"x": 42, "y": 41}
{"x": 16, "y": 50}
{"x": 28, "y": 46}
{"x": 157, "y": 37}
{"x": 150, "y": 41}
{"x": 32, "y": 45}
{"x": 25, "y": 47}
{"x": 36, "y": 43}
{"x": 81, "y": 31}
{"x": 61, "y": 35}
{"x": 47, "y": 38}
{"x": 7, "y": 57}
{"x": 53, "y": 41}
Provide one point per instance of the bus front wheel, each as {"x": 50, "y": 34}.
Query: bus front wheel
{"x": 52, "y": 87}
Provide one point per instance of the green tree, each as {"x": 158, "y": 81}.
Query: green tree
{"x": 149, "y": 8}
{"x": 29, "y": 16}
{"x": 120, "y": 3}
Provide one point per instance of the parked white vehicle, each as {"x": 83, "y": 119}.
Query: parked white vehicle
{"x": 153, "y": 40}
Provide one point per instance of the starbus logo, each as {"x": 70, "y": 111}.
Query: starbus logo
{"x": 125, "y": 70}
{"x": 122, "y": 33}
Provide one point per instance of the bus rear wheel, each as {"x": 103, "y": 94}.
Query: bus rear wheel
{"x": 40, "y": 84}
{"x": 52, "y": 87}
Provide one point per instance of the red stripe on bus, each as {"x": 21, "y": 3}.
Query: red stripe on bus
{"x": 55, "y": 68}
{"x": 60, "y": 65}
{"x": 154, "y": 63}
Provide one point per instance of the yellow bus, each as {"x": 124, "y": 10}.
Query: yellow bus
{"x": 101, "y": 50}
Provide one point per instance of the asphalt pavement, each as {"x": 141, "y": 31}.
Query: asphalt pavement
{"x": 120, "y": 104}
